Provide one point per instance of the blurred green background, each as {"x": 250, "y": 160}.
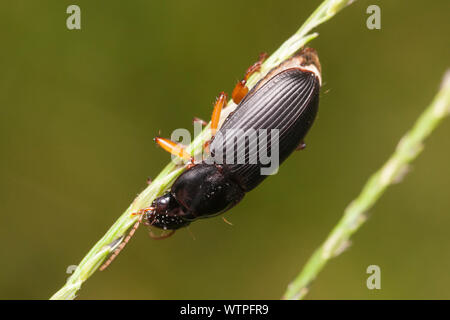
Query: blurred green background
{"x": 79, "y": 110}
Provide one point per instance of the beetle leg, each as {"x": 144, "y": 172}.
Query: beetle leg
{"x": 206, "y": 146}
{"x": 240, "y": 90}
{"x": 173, "y": 148}
{"x": 127, "y": 238}
{"x": 142, "y": 211}
{"x": 301, "y": 146}
{"x": 226, "y": 221}
{"x": 220, "y": 103}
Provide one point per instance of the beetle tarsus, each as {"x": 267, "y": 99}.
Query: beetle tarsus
{"x": 161, "y": 236}
{"x": 203, "y": 122}
{"x": 226, "y": 221}
{"x": 241, "y": 89}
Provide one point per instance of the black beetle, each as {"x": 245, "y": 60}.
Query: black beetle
{"x": 286, "y": 99}
{"x": 284, "y": 102}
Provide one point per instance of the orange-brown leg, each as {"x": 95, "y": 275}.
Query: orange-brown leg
{"x": 127, "y": 238}
{"x": 301, "y": 146}
{"x": 240, "y": 90}
{"x": 203, "y": 122}
{"x": 173, "y": 148}
{"x": 220, "y": 103}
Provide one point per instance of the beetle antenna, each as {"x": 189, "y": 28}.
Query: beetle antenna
{"x": 126, "y": 240}
{"x": 161, "y": 236}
